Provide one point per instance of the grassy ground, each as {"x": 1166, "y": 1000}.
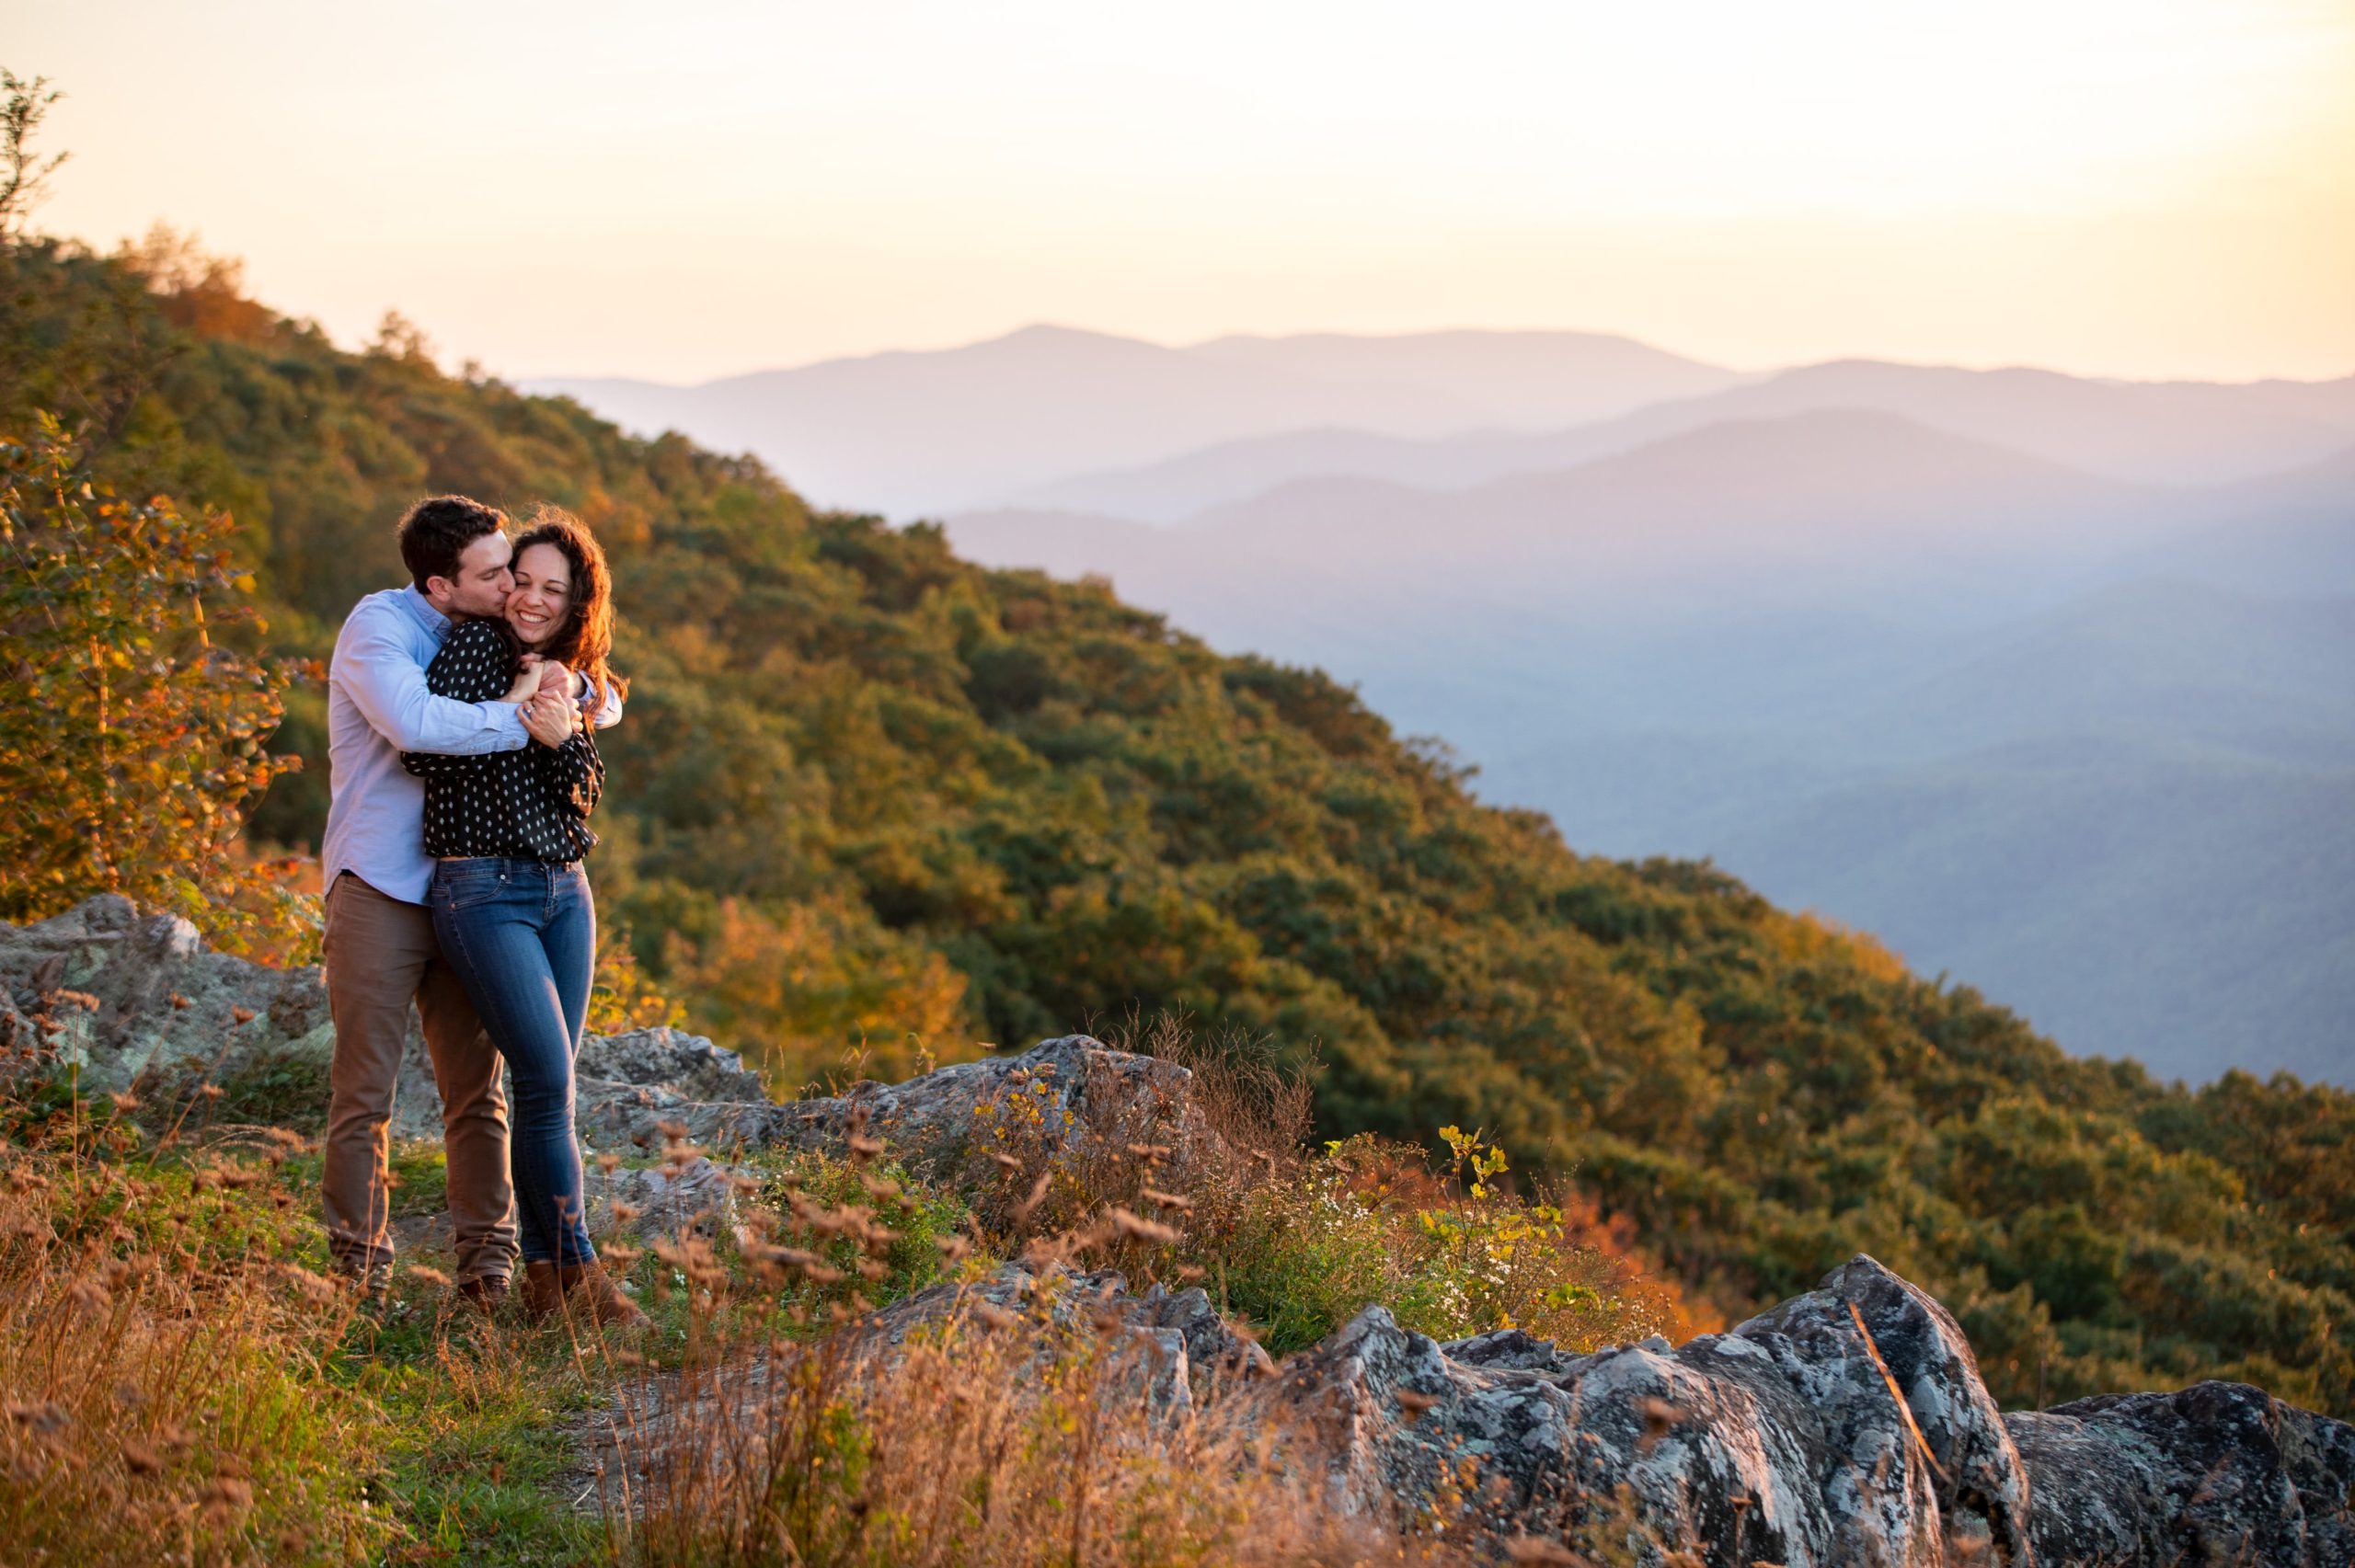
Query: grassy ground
{"x": 184, "y": 1383}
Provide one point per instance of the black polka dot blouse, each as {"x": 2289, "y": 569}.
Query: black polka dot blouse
{"x": 531, "y": 804}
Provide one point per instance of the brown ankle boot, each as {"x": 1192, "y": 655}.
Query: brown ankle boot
{"x": 591, "y": 1289}
{"x": 483, "y": 1293}
{"x": 585, "y": 1286}
{"x": 542, "y": 1291}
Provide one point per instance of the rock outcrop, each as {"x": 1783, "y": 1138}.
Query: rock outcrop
{"x": 2217, "y": 1472}
{"x": 1848, "y": 1425}
{"x": 125, "y": 997}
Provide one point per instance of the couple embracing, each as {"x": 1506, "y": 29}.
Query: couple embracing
{"x": 462, "y": 713}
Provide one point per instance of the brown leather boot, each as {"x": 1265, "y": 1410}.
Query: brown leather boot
{"x": 483, "y": 1293}
{"x": 543, "y": 1292}
{"x": 585, "y": 1287}
{"x": 590, "y": 1288}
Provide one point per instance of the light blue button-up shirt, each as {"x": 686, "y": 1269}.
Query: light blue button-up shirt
{"x": 378, "y": 708}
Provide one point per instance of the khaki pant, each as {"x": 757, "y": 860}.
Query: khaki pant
{"x": 380, "y": 956}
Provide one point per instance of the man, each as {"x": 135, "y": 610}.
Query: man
{"x": 381, "y": 953}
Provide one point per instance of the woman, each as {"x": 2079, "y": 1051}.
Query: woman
{"x": 512, "y": 908}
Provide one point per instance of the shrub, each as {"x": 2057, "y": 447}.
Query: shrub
{"x": 130, "y": 737}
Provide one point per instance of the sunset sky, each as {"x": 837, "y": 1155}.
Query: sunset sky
{"x": 2144, "y": 188}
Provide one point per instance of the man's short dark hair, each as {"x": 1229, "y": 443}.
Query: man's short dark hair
{"x": 437, "y": 530}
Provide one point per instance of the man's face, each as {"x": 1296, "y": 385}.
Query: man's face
{"x": 483, "y": 582}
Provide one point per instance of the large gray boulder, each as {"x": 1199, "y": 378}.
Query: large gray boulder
{"x": 115, "y": 995}
{"x": 2217, "y": 1473}
{"x": 1846, "y": 1426}
{"x": 125, "y": 998}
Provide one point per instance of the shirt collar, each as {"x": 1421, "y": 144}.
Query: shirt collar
{"x": 422, "y": 608}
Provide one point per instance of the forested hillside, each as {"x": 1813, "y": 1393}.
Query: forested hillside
{"x": 866, "y": 791}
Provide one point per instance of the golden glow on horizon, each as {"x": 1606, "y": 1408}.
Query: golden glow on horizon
{"x": 2162, "y": 187}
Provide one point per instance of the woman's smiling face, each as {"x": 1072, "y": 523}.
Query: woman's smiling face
{"x": 542, "y": 601}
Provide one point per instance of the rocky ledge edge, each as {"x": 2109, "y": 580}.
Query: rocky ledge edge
{"x": 1847, "y": 1425}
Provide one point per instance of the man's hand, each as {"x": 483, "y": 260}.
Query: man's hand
{"x": 551, "y": 714}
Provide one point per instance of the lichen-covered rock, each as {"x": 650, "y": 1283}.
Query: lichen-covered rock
{"x": 1188, "y": 1351}
{"x": 165, "y": 1005}
{"x": 1780, "y": 1441}
{"x": 1848, "y": 1425}
{"x": 687, "y": 1065}
{"x": 161, "y": 998}
{"x": 696, "y": 1195}
{"x": 2217, "y": 1473}
{"x": 1079, "y": 1087}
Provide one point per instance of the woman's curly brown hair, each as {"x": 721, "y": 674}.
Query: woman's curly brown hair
{"x": 586, "y": 638}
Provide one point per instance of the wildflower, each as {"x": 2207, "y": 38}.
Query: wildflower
{"x": 139, "y": 1459}
{"x": 89, "y": 1296}
{"x": 180, "y": 1004}
{"x": 1006, "y": 1161}
{"x": 954, "y": 1249}
{"x": 433, "y": 1277}
{"x": 865, "y": 1148}
{"x": 1165, "y": 1200}
{"x": 609, "y": 1161}
{"x": 241, "y": 1016}
{"x": 1413, "y": 1401}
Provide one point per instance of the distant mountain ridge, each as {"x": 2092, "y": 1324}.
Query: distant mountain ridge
{"x": 2088, "y": 741}
{"x": 916, "y": 431}
{"x": 2153, "y": 433}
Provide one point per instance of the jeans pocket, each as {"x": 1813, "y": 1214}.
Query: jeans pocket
{"x": 465, "y": 884}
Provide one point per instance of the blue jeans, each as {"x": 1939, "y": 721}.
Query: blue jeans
{"x": 523, "y": 936}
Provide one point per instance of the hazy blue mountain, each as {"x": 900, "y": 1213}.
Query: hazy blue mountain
{"x": 2291, "y": 533}
{"x": 2180, "y": 904}
{"x": 1523, "y": 380}
{"x": 2159, "y": 432}
{"x": 2049, "y": 730}
{"x": 915, "y": 432}
{"x": 1799, "y": 504}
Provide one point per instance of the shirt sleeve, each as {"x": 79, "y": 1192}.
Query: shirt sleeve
{"x": 572, "y": 773}
{"x": 607, "y": 715}
{"x": 382, "y": 678}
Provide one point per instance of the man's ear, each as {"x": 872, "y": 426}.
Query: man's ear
{"x": 439, "y": 591}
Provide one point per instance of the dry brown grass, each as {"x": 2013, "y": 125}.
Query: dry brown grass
{"x": 160, "y": 1367}
{"x": 991, "y": 1437}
